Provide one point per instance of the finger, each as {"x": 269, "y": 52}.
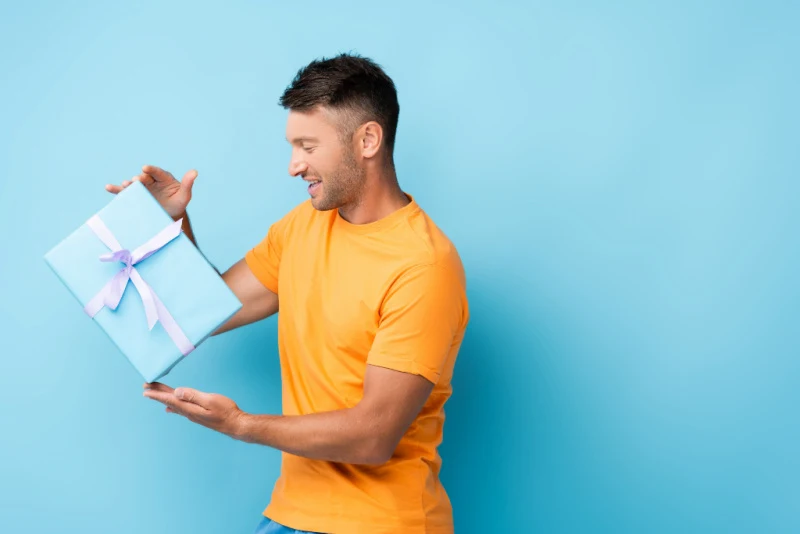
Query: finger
{"x": 195, "y": 397}
{"x": 144, "y": 178}
{"x": 188, "y": 180}
{"x": 157, "y": 173}
{"x": 176, "y": 404}
{"x": 111, "y": 188}
{"x": 158, "y": 386}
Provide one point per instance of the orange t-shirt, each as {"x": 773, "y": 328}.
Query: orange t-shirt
{"x": 390, "y": 293}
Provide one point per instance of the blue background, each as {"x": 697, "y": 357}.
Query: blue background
{"x": 620, "y": 180}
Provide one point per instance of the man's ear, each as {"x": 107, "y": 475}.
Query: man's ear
{"x": 370, "y": 139}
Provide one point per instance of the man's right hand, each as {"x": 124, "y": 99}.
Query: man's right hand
{"x": 173, "y": 195}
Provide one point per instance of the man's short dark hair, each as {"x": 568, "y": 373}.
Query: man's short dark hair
{"x": 353, "y": 86}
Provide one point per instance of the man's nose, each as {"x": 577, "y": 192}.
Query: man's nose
{"x": 297, "y": 167}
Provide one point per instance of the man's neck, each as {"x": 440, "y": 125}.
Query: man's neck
{"x": 381, "y": 197}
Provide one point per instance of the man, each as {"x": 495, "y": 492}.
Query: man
{"x": 372, "y": 313}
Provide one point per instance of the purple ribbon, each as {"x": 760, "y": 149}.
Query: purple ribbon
{"x": 112, "y": 292}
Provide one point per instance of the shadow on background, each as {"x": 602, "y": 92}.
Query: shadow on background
{"x": 502, "y": 420}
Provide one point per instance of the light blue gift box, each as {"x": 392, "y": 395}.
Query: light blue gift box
{"x": 180, "y": 276}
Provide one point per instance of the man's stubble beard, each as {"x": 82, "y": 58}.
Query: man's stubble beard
{"x": 343, "y": 187}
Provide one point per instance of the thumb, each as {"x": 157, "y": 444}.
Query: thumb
{"x": 188, "y": 181}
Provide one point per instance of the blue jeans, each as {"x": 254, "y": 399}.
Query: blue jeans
{"x": 267, "y": 526}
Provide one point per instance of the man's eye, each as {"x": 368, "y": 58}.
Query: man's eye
{"x": 308, "y": 149}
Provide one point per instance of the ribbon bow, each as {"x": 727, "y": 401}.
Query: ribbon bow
{"x": 112, "y": 292}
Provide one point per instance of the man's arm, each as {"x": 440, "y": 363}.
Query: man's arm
{"x": 368, "y": 433}
{"x": 258, "y": 302}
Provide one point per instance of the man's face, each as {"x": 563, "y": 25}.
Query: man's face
{"x": 318, "y": 155}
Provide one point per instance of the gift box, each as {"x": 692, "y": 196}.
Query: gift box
{"x": 143, "y": 282}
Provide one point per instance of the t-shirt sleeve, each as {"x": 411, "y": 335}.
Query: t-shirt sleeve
{"x": 421, "y": 316}
{"x": 264, "y": 259}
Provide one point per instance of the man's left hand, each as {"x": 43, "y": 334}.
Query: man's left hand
{"x": 211, "y": 410}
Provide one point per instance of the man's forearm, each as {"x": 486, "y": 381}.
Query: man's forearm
{"x": 347, "y": 436}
